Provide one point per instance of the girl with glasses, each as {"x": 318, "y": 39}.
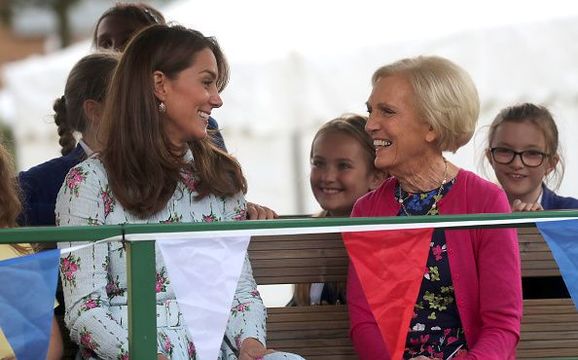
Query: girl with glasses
{"x": 523, "y": 151}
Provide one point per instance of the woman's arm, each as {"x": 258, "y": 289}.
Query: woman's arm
{"x": 248, "y": 313}
{"x": 84, "y": 272}
{"x": 364, "y": 332}
{"x": 55, "y": 349}
{"x": 500, "y": 289}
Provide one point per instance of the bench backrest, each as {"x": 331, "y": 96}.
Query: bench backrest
{"x": 549, "y": 327}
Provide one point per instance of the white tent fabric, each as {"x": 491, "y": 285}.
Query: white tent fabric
{"x": 297, "y": 65}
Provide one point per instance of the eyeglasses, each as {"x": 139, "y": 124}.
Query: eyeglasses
{"x": 530, "y": 158}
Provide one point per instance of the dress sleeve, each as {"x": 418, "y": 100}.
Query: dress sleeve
{"x": 84, "y": 271}
{"x": 235, "y": 208}
{"x": 500, "y": 289}
{"x": 248, "y": 313}
{"x": 364, "y": 332}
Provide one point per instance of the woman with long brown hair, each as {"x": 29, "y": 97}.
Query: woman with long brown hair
{"x": 157, "y": 165}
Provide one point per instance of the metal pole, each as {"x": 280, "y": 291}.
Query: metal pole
{"x": 142, "y": 321}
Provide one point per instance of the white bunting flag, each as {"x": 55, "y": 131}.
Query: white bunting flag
{"x": 204, "y": 273}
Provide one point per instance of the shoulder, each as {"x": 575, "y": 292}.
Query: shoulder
{"x": 376, "y": 202}
{"x": 53, "y": 170}
{"x": 88, "y": 173}
{"x": 553, "y": 201}
{"x": 475, "y": 187}
{"x": 472, "y": 194}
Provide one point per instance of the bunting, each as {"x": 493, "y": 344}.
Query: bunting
{"x": 27, "y": 302}
{"x": 390, "y": 266}
{"x": 562, "y": 238}
{"x": 204, "y": 273}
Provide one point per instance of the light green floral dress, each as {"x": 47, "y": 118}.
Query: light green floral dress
{"x": 94, "y": 278}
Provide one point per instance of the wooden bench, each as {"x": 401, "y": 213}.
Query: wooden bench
{"x": 549, "y": 326}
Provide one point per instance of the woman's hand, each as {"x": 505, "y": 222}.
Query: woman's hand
{"x": 518, "y": 205}
{"x": 252, "y": 349}
{"x": 162, "y": 357}
{"x": 258, "y": 212}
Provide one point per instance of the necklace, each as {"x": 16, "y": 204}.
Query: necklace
{"x": 433, "y": 210}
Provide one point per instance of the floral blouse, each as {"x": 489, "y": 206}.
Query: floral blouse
{"x": 94, "y": 278}
{"x": 435, "y": 329}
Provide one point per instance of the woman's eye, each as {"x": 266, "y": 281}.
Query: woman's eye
{"x": 386, "y": 111}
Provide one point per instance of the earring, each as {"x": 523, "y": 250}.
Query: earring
{"x": 162, "y": 108}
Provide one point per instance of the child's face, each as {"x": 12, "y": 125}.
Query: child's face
{"x": 340, "y": 173}
{"x": 518, "y": 180}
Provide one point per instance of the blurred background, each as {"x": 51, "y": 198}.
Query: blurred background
{"x": 297, "y": 64}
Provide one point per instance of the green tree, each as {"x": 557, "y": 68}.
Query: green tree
{"x": 59, "y": 8}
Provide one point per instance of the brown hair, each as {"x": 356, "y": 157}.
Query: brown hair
{"x": 540, "y": 117}
{"x": 143, "y": 170}
{"x": 10, "y": 205}
{"x": 142, "y": 13}
{"x": 88, "y": 80}
{"x": 354, "y": 126}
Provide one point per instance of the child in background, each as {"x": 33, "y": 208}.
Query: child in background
{"x": 523, "y": 151}
{"x": 9, "y": 209}
{"x": 342, "y": 171}
{"x": 77, "y": 111}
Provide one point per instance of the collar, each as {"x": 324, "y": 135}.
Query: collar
{"x": 86, "y": 148}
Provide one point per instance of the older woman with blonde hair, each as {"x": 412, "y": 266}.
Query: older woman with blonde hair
{"x": 469, "y": 303}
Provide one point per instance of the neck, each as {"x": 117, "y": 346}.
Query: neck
{"x": 338, "y": 213}
{"x": 529, "y": 198}
{"x": 429, "y": 175}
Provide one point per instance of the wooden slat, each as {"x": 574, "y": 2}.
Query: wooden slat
{"x": 549, "y": 327}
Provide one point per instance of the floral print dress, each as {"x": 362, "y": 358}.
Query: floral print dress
{"x": 95, "y": 280}
{"x": 435, "y": 329}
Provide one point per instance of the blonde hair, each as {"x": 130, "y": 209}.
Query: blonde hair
{"x": 352, "y": 125}
{"x": 10, "y": 205}
{"x": 444, "y": 94}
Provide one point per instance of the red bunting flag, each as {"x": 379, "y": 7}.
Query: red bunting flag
{"x": 390, "y": 266}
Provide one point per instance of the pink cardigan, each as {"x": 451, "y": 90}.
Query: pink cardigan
{"x": 485, "y": 270}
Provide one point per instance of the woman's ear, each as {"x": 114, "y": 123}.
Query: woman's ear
{"x": 160, "y": 85}
{"x": 431, "y": 135}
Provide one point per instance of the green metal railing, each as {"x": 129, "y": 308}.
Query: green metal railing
{"x": 141, "y": 272}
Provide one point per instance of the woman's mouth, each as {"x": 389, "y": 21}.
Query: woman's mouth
{"x": 381, "y": 143}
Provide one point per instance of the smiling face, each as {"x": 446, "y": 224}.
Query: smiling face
{"x": 189, "y": 98}
{"x": 520, "y": 181}
{"x": 399, "y": 133}
{"x": 340, "y": 172}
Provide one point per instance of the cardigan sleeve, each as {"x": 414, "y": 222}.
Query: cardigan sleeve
{"x": 364, "y": 332}
{"x": 84, "y": 271}
{"x": 500, "y": 289}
